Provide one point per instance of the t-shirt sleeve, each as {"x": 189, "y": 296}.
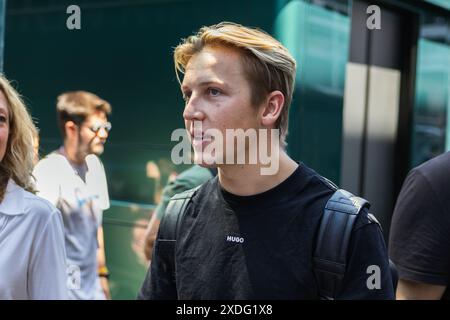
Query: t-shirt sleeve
{"x": 368, "y": 276}
{"x": 419, "y": 241}
{"x": 97, "y": 182}
{"x": 46, "y": 181}
{"x": 47, "y": 273}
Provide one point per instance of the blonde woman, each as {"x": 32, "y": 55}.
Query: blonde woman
{"x": 32, "y": 253}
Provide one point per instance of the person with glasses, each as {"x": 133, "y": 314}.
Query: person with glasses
{"x": 74, "y": 180}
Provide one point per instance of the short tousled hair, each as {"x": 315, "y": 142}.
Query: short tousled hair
{"x": 76, "y": 106}
{"x": 17, "y": 163}
{"x": 267, "y": 64}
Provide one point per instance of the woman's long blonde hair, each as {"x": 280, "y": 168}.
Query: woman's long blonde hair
{"x": 17, "y": 164}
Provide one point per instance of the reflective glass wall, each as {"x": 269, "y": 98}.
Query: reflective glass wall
{"x": 317, "y": 33}
{"x": 431, "y": 132}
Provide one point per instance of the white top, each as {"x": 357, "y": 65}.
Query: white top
{"x": 32, "y": 254}
{"x": 56, "y": 179}
{"x": 81, "y": 204}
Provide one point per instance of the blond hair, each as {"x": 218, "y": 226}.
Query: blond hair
{"x": 76, "y": 106}
{"x": 267, "y": 64}
{"x": 17, "y": 164}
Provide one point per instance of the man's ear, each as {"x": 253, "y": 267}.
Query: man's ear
{"x": 71, "y": 129}
{"x": 272, "y": 109}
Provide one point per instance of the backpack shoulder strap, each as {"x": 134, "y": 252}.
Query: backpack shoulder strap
{"x": 175, "y": 212}
{"x": 333, "y": 238}
{"x": 170, "y": 225}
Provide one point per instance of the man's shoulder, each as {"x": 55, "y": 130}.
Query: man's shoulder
{"x": 435, "y": 172}
{"x": 51, "y": 157}
{"x": 94, "y": 163}
{"x": 344, "y": 202}
{"x": 365, "y": 218}
{"x": 198, "y": 195}
{"x": 53, "y": 166}
{"x": 426, "y": 186}
{"x": 205, "y": 189}
{"x": 317, "y": 180}
{"x": 437, "y": 163}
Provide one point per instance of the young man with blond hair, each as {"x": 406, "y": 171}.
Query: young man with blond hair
{"x": 247, "y": 234}
{"x": 74, "y": 180}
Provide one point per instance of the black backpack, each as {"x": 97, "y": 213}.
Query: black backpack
{"x": 333, "y": 238}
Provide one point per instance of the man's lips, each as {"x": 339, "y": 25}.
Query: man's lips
{"x": 200, "y": 139}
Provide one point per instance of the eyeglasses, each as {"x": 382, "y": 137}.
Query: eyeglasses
{"x": 96, "y": 127}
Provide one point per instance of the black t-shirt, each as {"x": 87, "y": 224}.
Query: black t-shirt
{"x": 419, "y": 241}
{"x": 261, "y": 246}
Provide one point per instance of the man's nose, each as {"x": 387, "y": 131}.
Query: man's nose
{"x": 102, "y": 133}
{"x": 192, "y": 111}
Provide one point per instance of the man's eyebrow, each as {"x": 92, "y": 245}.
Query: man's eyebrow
{"x": 205, "y": 83}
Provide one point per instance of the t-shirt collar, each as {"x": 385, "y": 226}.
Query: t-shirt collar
{"x": 13, "y": 201}
{"x": 281, "y": 192}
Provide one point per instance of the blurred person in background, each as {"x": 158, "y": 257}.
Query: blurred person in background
{"x": 419, "y": 240}
{"x": 74, "y": 180}
{"x": 36, "y": 147}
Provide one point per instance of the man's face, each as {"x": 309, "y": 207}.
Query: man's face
{"x": 218, "y": 96}
{"x": 4, "y": 125}
{"x": 93, "y": 134}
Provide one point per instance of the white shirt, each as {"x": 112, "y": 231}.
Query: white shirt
{"x": 32, "y": 254}
{"x": 81, "y": 204}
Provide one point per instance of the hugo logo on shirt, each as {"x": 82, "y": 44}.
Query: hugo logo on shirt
{"x": 235, "y": 239}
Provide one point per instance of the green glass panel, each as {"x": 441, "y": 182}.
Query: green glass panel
{"x": 442, "y": 3}
{"x": 318, "y": 37}
{"x": 430, "y": 130}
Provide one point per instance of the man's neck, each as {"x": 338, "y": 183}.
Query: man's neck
{"x": 246, "y": 180}
{"x": 72, "y": 154}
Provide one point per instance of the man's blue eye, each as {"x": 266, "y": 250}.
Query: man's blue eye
{"x": 214, "y": 92}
